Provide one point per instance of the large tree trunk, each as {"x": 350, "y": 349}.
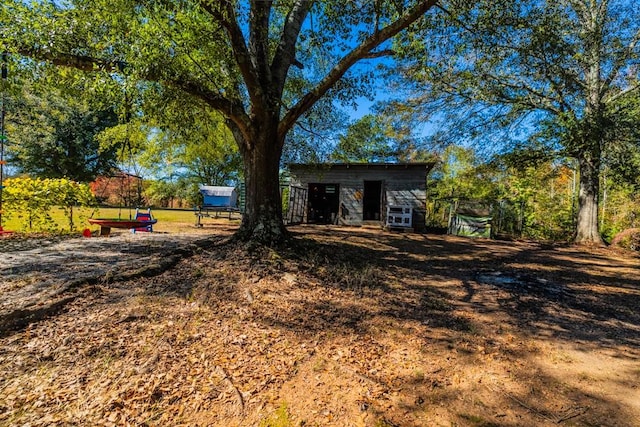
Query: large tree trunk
{"x": 592, "y": 17}
{"x": 262, "y": 220}
{"x": 587, "y": 226}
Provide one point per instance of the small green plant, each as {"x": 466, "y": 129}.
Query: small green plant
{"x": 383, "y": 423}
{"x": 319, "y": 365}
{"x": 279, "y": 418}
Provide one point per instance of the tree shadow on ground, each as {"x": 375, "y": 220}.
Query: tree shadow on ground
{"x": 345, "y": 277}
{"x": 562, "y": 292}
{"x": 347, "y": 283}
{"x": 488, "y": 404}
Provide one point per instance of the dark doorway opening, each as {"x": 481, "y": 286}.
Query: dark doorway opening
{"x": 372, "y": 201}
{"x": 324, "y": 200}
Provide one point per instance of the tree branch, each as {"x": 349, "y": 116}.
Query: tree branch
{"x": 379, "y": 54}
{"x": 458, "y": 21}
{"x": 310, "y": 131}
{"x": 532, "y": 98}
{"x": 223, "y": 12}
{"x": 259, "y": 38}
{"x": 286, "y": 52}
{"x": 622, "y": 94}
{"x": 624, "y": 55}
{"x": 365, "y": 48}
{"x": 79, "y": 62}
{"x": 232, "y": 109}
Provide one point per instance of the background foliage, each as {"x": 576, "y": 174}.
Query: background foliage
{"x": 537, "y": 196}
{"x": 31, "y": 201}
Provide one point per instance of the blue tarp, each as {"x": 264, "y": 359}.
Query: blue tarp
{"x": 222, "y": 197}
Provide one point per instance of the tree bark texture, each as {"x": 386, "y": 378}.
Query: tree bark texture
{"x": 587, "y": 223}
{"x": 262, "y": 218}
{"x": 589, "y": 154}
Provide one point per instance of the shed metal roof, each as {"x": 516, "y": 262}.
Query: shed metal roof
{"x": 374, "y": 166}
{"x": 217, "y": 191}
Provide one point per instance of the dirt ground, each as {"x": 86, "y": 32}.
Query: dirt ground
{"x": 349, "y": 327}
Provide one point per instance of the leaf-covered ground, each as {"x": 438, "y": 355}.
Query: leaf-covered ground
{"x": 350, "y": 327}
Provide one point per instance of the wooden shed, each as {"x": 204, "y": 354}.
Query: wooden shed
{"x": 391, "y": 194}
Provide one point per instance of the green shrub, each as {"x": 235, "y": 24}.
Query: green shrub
{"x": 32, "y": 200}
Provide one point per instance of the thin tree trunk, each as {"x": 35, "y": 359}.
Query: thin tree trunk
{"x": 604, "y": 201}
{"x": 587, "y": 226}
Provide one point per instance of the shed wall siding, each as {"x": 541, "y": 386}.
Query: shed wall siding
{"x": 350, "y": 205}
{"x": 400, "y": 187}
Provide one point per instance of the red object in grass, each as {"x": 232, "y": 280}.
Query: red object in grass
{"x": 121, "y": 223}
{"x": 106, "y": 224}
{"x": 86, "y": 232}
{"x": 3, "y": 231}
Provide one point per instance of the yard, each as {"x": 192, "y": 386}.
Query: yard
{"x": 350, "y": 327}
{"x": 169, "y": 220}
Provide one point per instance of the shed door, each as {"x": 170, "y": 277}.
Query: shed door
{"x": 324, "y": 201}
{"x": 297, "y": 204}
{"x": 372, "y": 201}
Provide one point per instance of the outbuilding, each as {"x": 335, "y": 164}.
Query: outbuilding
{"x": 471, "y": 220}
{"x": 219, "y": 197}
{"x": 389, "y": 194}
{"x": 216, "y": 200}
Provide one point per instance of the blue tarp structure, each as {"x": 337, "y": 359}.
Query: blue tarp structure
{"x": 219, "y": 197}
